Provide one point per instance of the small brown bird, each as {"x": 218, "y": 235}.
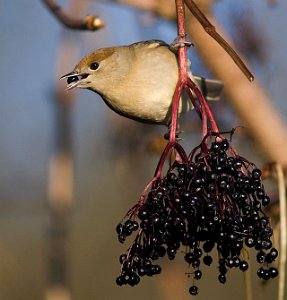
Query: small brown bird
{"x": 137, "y": 81}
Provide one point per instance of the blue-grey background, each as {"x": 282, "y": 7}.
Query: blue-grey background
{"x": 106, "y": 179}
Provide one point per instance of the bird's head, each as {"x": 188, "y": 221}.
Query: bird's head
{"x": 98, "y": 70}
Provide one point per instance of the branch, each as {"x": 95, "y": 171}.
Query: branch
{"x": 250, "y": 101}
{"x": 90, "y": 22}
{"x": 210, "y": 29}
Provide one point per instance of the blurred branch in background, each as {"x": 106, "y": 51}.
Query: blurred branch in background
{"x": 278, "y": 212}
{"x": 88, "y": 23}
{"x": 61, "y": 174}
{"x": 283, "y": 228}
{"x": 60, "y": 197}
{"x": 275, "y": 171}
{"x": 249, "y": 100}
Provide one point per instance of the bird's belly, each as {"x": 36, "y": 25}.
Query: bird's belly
{"x": 150, "y": 109}
{"x": 155, "y": 112}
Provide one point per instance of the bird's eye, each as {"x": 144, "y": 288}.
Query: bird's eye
{"x": 94, "y": 66}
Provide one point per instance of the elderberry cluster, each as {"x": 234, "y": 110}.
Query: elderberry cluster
{"x": 212, "y": 201}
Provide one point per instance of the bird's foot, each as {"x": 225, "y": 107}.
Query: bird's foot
{"x": 178, "y": 43}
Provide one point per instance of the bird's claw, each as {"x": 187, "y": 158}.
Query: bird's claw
{"x": 178, "y": 43}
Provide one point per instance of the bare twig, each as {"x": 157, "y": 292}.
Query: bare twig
{"x": 90, "y": 22}
{"x": 249, "y": 100}
{"x": 210, "y": 29}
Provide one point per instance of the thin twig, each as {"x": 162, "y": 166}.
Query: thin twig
{"x": 90, "y": 22}
{"x": 174, "y": 112}
{"x": 210, "y": 29}
{"x": 283, "y": 228}
{"x": 193, "y": 102}
{"x": 204, "y": 105}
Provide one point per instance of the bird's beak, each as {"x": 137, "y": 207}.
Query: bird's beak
{"x": 74, "y": 79}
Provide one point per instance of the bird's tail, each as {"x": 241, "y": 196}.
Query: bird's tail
{"x": 210, "y": 88}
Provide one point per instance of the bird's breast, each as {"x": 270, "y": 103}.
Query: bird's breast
{"x": 144, "y": 107}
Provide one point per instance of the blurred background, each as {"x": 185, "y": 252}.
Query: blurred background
{"x": 70, "y": 168}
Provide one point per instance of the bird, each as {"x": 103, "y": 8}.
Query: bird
{"x": 138, "y": 81}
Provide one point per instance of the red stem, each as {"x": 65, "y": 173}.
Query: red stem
{"x": 178, "y": 148}
{"x": 182, "y": 62}
{"x": 200, "y": 111}
{"x": 162, "y": 160}
{"x": 204, "y": 105}
{"x": 193, "y": 101}
{"x": 164, "y": 155}
{"x": 174, "y": 112}
{"x": 184, "y": 82}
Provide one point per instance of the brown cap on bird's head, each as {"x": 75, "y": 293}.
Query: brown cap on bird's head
{"x": 86, "y": 66}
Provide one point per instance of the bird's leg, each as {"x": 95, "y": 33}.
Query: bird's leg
{"x": 178, "y": 43}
